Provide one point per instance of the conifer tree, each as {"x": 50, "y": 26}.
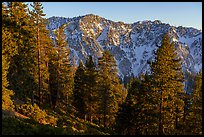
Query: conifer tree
{"x": 7, "y": 102}
{"x": 135, "y": 98}
{"x": 194, "y": 119}
{"x": 190, "y": 80}
{"x": 9, "y": 49}
{"x": 43, "y": 46}
{"x": 6, "y": 53}
{"x": 110, "y": 89}
{"x": 124, "y": 124}
{"x": 78, "y": 91}
{"x": 61, "y": 75}
{"x": 127, "y": 114}
{"x": 149, "y": 105}
{"x": 52, "y": 68}
{"x": 21, "y": 64}
{"x": 141, "y": 104}
{"x": 91, "y": 91}
{"x": 168, "y": 82}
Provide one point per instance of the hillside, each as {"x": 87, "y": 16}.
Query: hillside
{"x": 14, "y": 122}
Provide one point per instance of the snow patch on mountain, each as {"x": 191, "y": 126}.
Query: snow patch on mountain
{"x": 132, "y": 45}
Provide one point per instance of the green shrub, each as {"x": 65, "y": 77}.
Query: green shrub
{"x": 51, "y": 120}
{"x": 36, "y": 113}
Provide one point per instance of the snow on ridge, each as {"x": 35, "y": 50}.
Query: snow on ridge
{"x": 135, "y": 43}
{"x": 103, "y": 35}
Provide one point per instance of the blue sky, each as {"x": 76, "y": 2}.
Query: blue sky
{"x": 187, "y": 14}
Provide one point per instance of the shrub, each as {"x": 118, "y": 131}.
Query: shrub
{"x": 36, "y": 113}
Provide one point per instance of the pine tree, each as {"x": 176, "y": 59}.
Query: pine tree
{"x": 124, "y": 124}
{"x": 127, "y": 116}
{"x": 7, "y": 102}
{"x": 149, "y": 99}
{"x": 21, "y": 64}
{"x": 189, "y": 87}
{"x": 43, "y": 47}
{"x": 78, "y": 91}
{"x": 91, "y": 91}
{"x": 168, "y": 81}
{"x": 62, "y": 74}
{"x": 52, "y": 68}
{"x": 110, "y": 89}
{"x": 6, "y": 93}
{"x": 9, "y": 49}
{"x": 194, "y": 119}
{"x": 135, "y": 98}
{"x": 141, "y": 104}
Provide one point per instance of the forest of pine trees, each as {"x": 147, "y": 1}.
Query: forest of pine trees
{"x": 37, "y": 71}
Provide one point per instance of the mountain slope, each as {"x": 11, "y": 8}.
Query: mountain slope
{"x": 131, "y": 44}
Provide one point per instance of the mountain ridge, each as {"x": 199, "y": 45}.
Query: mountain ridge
{"x": 131, "y": 44}
{"x": 143, "y": 21}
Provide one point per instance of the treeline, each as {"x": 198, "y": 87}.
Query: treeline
{"x": 157, "y": 103}
{"x": 37, "y": 70}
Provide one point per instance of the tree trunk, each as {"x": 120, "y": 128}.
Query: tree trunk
{"x": 32, "y": 98}
{"x": 50, "y": 100}
{"x": 39, "y": 71}
{"x": 104, "y": 119}
{"x": 99, "y": 121}
{"x": 67, "y": 99}
{"x": 39, "y": 78}
{"x": 184, "y": 116}
{"x": 176, "y": 124}
{"x": 160, "y": 117}
{"x": 85, "y": 117}
{"x": 91, "y": 119}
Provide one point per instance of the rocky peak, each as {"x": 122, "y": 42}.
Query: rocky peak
{"x": 131, "y": 44}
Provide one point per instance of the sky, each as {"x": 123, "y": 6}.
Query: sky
{"x": 186, "y": 14}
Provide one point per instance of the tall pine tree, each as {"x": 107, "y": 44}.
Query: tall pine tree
{"x": 168, "y": 82}
{"x": 193, "y": 124}
{"x": 9, "y": 49}
{"x": 127, "y": 114}
{"x": 21, "y": 64}
{"x": 78, "y": 91}
{"x": 43, "y": 46}
{"x": 61, "y": 74}
{"x": 138, "y": 114}
{"x": 110, "y": 89}
{"x": 91, "y": 90}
